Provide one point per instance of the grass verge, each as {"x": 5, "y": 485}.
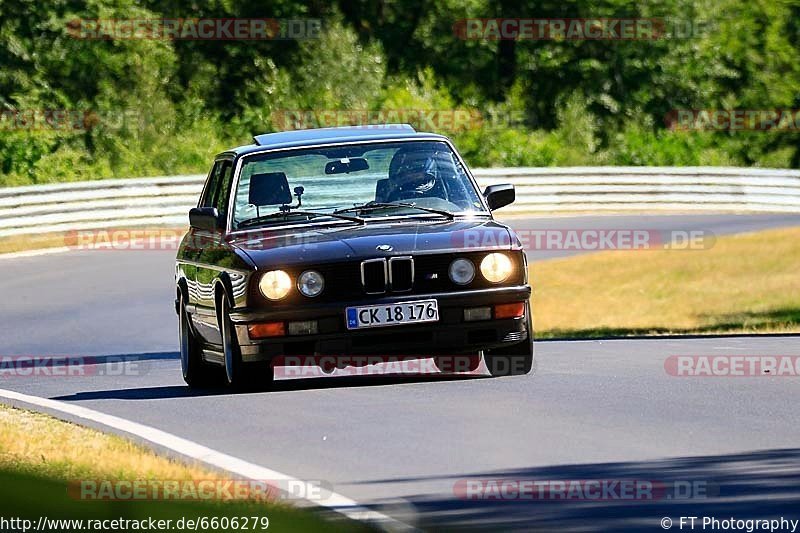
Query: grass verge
{"x": 40, "y": 457}
{"x": 747, "y": 283}
{"x": 24, "y": 243}
{"x": 116, "y": 238}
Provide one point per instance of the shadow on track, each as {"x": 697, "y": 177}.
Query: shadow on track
{"x": 277, "y": 387}
{"x": 55, "y": 361}
{"x": 753, "y": 485}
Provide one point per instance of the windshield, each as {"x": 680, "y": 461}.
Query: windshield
{"x": 417, "y": 178}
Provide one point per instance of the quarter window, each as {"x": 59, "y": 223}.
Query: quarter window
{"x": 216, "y": 193}
{"x": 211, "y": 186}
{"x": 223, "y": 188}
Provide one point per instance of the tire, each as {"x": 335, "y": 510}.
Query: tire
{"x": 514, "y": 360}
{"x": 240, "y": 375}
{"x": 458, "y": 363}
{"x": 196, "y": 372}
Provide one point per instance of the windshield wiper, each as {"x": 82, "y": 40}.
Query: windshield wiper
{"x": 374, "y": 206}
{"x": 280, "y": 214}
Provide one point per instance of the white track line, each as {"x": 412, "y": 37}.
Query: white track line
{"x": 35, "y": 253}
{"x": 336, "y": 502}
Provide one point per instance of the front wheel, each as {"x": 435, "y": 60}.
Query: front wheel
{"x": 514, "y": 360}
{"x": 239, "y": 374}
{"x": 196, "y": 372}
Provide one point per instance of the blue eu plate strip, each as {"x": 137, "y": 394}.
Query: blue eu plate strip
{"x": 352, "y": 319}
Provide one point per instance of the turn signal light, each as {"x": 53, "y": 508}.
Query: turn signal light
{"x": 266, "y": 329}
{"x": 515, "y": 310}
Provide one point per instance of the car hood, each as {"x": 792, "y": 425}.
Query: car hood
{"x": 268, "y": 248}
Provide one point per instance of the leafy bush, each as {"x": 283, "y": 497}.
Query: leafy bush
{"x": 158, "y": 107}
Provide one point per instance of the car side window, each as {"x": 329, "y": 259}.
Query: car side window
{"x": 210, "y": 191}
{"x": 223, "y": 188}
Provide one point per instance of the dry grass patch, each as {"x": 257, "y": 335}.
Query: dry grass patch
{"x": 744, "y": 283}
{"x": 41, "y": 445}
{"x": 23, "y": 243}
{"x": 40, "y": 456}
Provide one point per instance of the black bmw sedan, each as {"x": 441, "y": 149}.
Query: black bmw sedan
{"x": 370, "y": 240}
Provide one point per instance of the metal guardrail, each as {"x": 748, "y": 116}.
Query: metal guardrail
{"x": 166, "y": 200}
{"x": 649, "y": 188}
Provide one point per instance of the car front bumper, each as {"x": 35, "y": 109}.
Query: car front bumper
{"x": 450, "y": 335}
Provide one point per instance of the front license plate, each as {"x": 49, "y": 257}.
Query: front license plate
{"x": 373, "y": 316}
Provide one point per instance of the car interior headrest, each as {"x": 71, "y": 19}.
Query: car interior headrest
{"x": 269, "y": 188}
{"x": 382, "y": 188}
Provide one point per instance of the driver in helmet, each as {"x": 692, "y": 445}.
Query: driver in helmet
{"x": 414, "y": 174}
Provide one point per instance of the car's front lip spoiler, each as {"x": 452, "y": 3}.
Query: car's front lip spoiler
{"x": 466, "y": 298}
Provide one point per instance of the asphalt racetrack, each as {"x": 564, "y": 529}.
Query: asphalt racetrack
{"x": 409, "y": 446}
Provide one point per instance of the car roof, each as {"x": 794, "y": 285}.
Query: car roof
{"x": 311, "y": 137}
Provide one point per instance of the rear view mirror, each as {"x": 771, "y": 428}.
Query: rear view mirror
{"x": 498, "y": 196}
{"x": 205, "y": 218}
{"x": 346, "y": 165}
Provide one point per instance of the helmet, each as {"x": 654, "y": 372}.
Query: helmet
{"x": 413, "y": 173}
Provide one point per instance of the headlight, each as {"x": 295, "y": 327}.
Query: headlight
{"x": 310, "y": 283}
{"x": 462, "y": 271}
{"x": 496, "y": 267}
{"x": 275, "y": 284}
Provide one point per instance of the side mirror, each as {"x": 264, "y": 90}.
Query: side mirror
{"x": 498, "y": 196}
{"x": 205, "y": 218}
